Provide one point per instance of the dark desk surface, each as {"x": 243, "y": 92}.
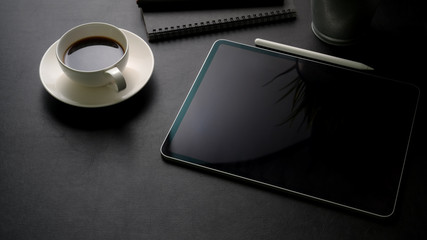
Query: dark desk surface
{"x": 72, "y": 173}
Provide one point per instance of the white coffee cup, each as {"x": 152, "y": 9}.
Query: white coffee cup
{"x": 105, "y": 75}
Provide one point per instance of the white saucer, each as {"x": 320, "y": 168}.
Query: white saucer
{"x": 137, "y": 73}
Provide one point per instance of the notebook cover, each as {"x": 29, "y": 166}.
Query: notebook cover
{"x": 173, "y": 24}
{"x": 173, "y": 5}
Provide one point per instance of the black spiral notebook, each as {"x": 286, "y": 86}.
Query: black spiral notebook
{"x": 168, "y": 24}
{"x": 174, "y": 5}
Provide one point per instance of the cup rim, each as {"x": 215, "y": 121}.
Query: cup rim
{"x": 60, "y": 59}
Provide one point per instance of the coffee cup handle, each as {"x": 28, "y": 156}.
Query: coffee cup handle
{"x": 118, "y": 79}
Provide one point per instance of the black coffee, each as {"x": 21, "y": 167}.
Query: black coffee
{"x": 93, "y": 53}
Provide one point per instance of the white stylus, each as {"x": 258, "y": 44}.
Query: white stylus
{"x": 310, "y": 54}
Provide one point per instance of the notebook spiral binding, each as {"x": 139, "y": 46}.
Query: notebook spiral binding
{"x": 221, "y": 24}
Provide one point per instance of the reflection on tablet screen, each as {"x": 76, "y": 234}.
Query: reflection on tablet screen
{"x": 305, "y": 127}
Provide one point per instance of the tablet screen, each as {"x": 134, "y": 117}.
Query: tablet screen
{"x": 317, "y": 130}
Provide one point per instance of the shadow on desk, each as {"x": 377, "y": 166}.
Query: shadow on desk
{"x": 100, "y": 118}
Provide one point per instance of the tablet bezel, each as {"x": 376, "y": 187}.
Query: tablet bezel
{"x": 200, "y": 164}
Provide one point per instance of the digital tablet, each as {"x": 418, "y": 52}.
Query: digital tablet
{"x": 308, "y": 128}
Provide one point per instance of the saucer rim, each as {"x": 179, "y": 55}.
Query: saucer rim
{"x": 142, "y": 81}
